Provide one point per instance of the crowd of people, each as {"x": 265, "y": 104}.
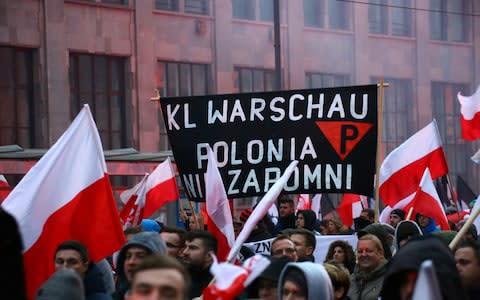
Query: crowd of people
{"x": 163, "y": 262}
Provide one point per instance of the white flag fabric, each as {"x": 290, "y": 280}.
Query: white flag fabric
{"x": 261, "y": 210}
{"x": 427, "y": 286}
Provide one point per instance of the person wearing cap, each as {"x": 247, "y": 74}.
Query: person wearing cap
{"x": 63, "y": 284}
{"x": 73, "y": 255}
{"x": 405, "y": 231}
{"x": 149, "y": 225}
{"x": 131, "y": 255}
{"x": 396, "y": 216}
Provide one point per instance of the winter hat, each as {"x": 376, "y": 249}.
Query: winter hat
{"x": 398, "y": 212}
{"x": 150, "y": 225}
{"x": 245, "y": 214}
{"x": 64, "y": 284}
{"x": 406, "y": 230}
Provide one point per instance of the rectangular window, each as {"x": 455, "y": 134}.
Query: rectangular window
{"x": 199, "y": 7}
{"x": 446, "y": 111}
{"x": 171, "y": 5}
{"x": 390, "y": 17}
{"x": 99, "y": 81}
{"x": 180, "y": 79}
{"x": 17, "y": 113}
{"x": 120, "y": 2}
{"x": 244, "y": 9}
{"x": 314, "y": 13}
{"x": 449, "y": 20}
{"x": 401, "y": 18}
{"x": 398, "y": 117}
{"x": 324, "y": 80}
{"x": 339, "y": 14}
{"x": 266, "y": 10}
{"x": 377, "y": 16}
{"x": 254, "y": 80}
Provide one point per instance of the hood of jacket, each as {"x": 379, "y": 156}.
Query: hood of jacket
{"x": 319, "y": 285}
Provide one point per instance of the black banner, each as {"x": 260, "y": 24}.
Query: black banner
{"x": 332, "y": 132}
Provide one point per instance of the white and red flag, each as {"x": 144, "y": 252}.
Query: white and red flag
{"x": 4, "y": 188}
{"x": 403, "y": 168}
{"x": 66, "y": 195}
{"x": 470, "y": 115}
{"x": 427, "y": 285}
{"x": 261, "y": 210}
{"x": 134, "y": 202}
{"x": 231, "y": 280}
{"x": 304, "y": 202}
{"x": 218, "y": 208}
{"x": 427, "y": 202}
{"x": 317, "y": 205}
{"x": 161, "y": 188}
{"x": 350, "y": 207}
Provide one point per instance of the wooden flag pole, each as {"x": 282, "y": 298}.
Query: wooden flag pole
{"x": 454, "y": 196}
{"x": 464, "y": 229}
{"x": 194, "y": 215}
{"x": 410, "y": 211}
{"x": 380, "y": 86}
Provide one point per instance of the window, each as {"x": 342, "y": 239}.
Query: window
{"x": 254, "y": 80}
{"x": 446, "y": 111}
{"x": 324, "y": 80}
{"x": 244, "y": 9}
{"x": 449, "y": 20}
{"x": 199, "y": 7}
{"x": 100, "y": 82}
{"x": 257, "y": 10}
{"x": 390, "y": 17}
{"x": 17, "y": 114}
{"x": 121, "y": 2}
{"x": 181, "y": 79}
{"x": 398, "y": 107}
{"x": 318, "y": 13}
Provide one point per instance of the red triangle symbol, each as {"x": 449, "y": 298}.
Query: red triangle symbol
{"x": 343, "y": 135}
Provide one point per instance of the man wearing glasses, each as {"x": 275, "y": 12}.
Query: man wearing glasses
{"x": 282, "y": 245}
{"x": 174, "y": 239}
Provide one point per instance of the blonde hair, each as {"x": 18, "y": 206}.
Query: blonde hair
{"x": 375, "y": 240}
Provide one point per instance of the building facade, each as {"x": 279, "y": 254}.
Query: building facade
{"x": 56, "y": 55}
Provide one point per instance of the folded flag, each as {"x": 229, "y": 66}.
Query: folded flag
{"x": 470, "y": 115}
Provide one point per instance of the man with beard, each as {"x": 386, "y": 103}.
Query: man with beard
{"x": 197, "y": 257}
{"x": 371, "y": 267}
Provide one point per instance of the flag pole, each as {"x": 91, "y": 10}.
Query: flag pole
{"x": 194, "y": 214}
{"x": 464, "y": 229}
{"x": 410, "y": 211}
{"x": 380, "y": 86}
{"x": 454, "y": 196}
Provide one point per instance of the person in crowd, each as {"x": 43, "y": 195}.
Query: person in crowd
{"x": 341, "y": 252}
{"x": 266, "y": 285}
{"x": 12, "y": 277}
{"x": 405, "y": 231}
{"x": 63, "y": 284}
{"x": 282, "y": 245}
{"x": 396, "y": 216}
{"x": 471, "y": 234}
{"x": 131, "y": 255}
{"x": 305, "y": 280}
{"x": 200, "y": 245}
{"x": 382, "y": 234}
{"x": 368, "y": 214}
{"x": 305, "y": 243}
{"x": 286, "y": 214}
{"x": 467, "y": 258}
{"x": 336, "y": 227}
{"x": 307, "y": 219}
{"x": 73, "y": 255}
{"x": 426, "y": 223}
{"x": 402, "y": 273}
{"x": 174, "y": 239}
{"x": 323, "y": 227}
{"x": 260, "y": 232}
{"x": 390, "y": 230}
{"x": 131, "y": 231}
{"x": 159, "y": 277}
{"x": 367, "y": 278}
{"x": 340, "y": 278}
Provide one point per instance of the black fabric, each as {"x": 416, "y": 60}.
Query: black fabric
{"x": 289, "y": 221}
{"x": 310, "y": 219}
{"x": 410, "y": 257}
{"x": 200, "y": 280}
{"x": 382, "y": 234}
{"x": 94, "y": 284}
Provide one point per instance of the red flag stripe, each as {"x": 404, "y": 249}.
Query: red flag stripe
{"x": 470, "y": 115}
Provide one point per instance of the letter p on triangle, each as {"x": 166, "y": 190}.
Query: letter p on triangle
{"x": 343, "y": 135}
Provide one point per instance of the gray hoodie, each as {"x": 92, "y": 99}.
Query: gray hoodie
{"x": 63, "y": 284}
{"x": 319, "y": 285}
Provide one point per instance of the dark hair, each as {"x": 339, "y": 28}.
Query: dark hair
{"x": 208, "y": 239}
{"x": 370, "y": 212}
{"x": 158, "y": 261}
{"x": 133, "y": 230}
{"x": 180, "y": 232}
{"x": 296, "y": 276}
{"x": 349, "y": 262}
{"x": 470, "y": 244}
{"x": 310, "y": 239}
{"x": 76, "y": 246}
{"x": 286, "y": 199}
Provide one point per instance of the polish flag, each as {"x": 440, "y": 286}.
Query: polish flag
{"x": 66, "y": 195}
{"x": 385, "y": 214}
{"x": 134, "y": 202}
{"x": 161, "y": 188}
{"x": 317, "y": 205}
{"x": 350, "y": 207}
{"x": 427, "y": 285}
{"x": 4, "y": 188}
{"x": 231, "y": 280}
{"x": 261, "y": 209}
{"x": 218, "y": 208}
{"x": 470, "y": 115}
{"x": 427, "y": 202}
{"x": 403, "y": 168}
{"x": 304, "y": 202}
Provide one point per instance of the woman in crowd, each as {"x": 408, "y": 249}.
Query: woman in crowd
{"x": 307, "y": 219}
{"x": 341, "y": 253}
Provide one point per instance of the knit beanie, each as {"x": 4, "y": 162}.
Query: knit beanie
{"x": 398, "y": 212}
{"x": 64, "y": 284}
{"x": 150, "y": 225}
